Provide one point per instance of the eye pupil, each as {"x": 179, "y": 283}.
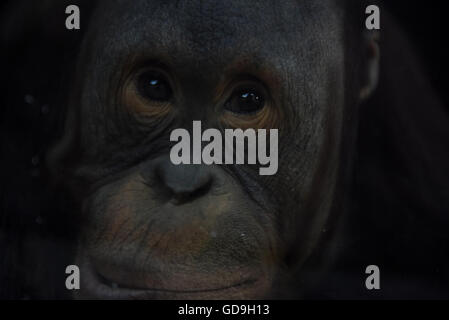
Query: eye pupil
{"x": 246, "y": 101}
{"x": 250, "y": 97}
{"x": 154, "y": 87}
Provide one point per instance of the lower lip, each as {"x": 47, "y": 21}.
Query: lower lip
{"x": 94, "y": 286}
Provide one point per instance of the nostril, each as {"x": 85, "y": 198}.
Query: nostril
{"x": 163, "y": 191}
{"x": 181, "y": 183}
{"x": 181, "y": 197}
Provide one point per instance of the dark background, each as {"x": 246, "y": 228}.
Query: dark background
{"x": 426, "y": 24}
{"x": 28, "y": 128}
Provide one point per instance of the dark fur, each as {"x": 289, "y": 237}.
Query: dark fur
{"x": 399, "y": 202}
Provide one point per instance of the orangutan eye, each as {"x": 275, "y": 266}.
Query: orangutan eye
{"x": 153, "y": 86}
{"x": 246, "y": 101}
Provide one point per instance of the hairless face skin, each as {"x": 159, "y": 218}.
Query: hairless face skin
{"x": 117, "y": 122}
{"x": 151, "y": 229}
